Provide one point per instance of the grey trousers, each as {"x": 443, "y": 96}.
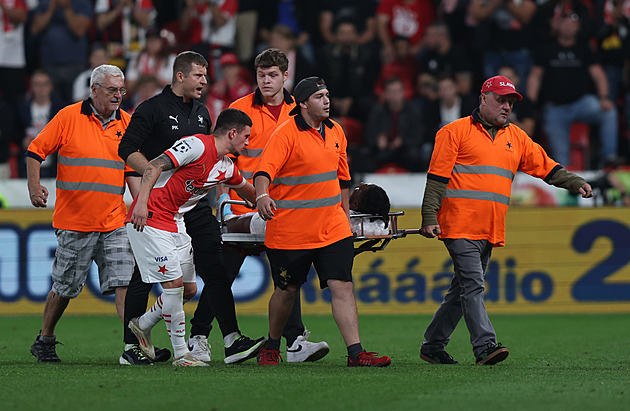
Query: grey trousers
{"x": 464, "y": 298}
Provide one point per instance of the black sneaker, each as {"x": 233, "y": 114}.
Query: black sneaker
{"x": 162, "y": 354}
{"x": 134, "y": 356}
{"x": 440, "y": 357}
{"x": 243, "y": 349}
{"x": 493, "y": 355}
{"x": 44, "y": 349}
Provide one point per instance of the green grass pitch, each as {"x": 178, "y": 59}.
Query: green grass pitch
{"x": 556, "y": 362}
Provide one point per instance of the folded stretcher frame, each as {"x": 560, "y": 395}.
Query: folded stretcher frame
{"x": 255, "y": 243}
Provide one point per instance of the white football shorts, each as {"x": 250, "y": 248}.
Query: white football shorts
{"x": 161, "y": 255}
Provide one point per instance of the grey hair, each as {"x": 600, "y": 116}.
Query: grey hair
{"x": 99, "y": 73}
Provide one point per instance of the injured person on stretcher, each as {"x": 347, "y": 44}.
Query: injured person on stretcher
{"x": 369, "y": 213}
{"x": 373, "y": 225}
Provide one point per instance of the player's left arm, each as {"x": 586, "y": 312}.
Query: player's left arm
{"x": 151, "y": 174}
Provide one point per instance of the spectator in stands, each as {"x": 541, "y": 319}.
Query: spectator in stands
{"x": 350, "y": 69}
{"x": 613, "y": 37}
{"x": 570, "y": 85}
{"x": 13, "y": 15}
{"x": 62, "y": 26}
{"x": 549, "y": 14}
{"x": 146, "y": 87}
{"x": 440, "y": 55}
{"x": 406, "y": 18}
{"x": 8, "y": 137}
{"x": 449, "y": 106}
{"x": 39, "y": 107}
{"x": 246, "y": 25}
{"x": 211, "y": 28}
{"x": 300, "y": 17}
{"x": 122, "y": 25}
{"x": 155, "y": 60}
{"x": 395, "y": 130}
{"x": 283, "y": 39}
{"x": 81, "y": 84}
{"x": 360, "y": 12}
{"x": 403, "y": 66}
{"x": 233, "y": 85}
{"x": 523, "y": 114}
{"x": 507, "y": 22}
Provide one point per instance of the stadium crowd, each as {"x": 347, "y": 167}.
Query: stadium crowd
{"x": 398, "y": 70}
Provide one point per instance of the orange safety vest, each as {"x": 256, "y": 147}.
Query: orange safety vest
{"x": 305, "y": 171}
{"x": 90, "y": 174}
{"x": 264, "y": 124}
{"x": 479, "y": 172}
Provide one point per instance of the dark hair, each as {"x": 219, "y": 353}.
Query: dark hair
{"x": 231, "y": 118}
{"x": 184, "y": 63}
{"x": 374, "y": 200}
{"x": 270, "y": 58}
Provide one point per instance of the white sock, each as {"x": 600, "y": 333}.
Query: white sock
{"x": 153, "y": 316}
{"x": 229, "y": 339}
{"x": 175, "y": 319}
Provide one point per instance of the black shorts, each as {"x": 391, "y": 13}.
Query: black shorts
{"x": 332, "y": 262}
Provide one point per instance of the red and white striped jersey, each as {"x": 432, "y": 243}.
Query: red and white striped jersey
{"x": 196, "y": 171}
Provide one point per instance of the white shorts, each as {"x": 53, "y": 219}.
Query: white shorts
{"x": 161, "y": 255}
{"x": 257, "y": 225}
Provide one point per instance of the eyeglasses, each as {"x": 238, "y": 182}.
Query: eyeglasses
{"x": 113, "y": 90}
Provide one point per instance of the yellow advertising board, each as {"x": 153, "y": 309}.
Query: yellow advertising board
{"x": 556, "y": 260}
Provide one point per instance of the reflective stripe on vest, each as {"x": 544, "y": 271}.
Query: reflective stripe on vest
{"x": 91, "y": 162}
{"x": 247, "y": 175}
{"x": 498, "y": 171}
{"x": 98, "y": 187}
{"x": 302, "y": 204}
{"x": 478, "y": 195}
{"x": 252, "y": 152}
{"x": 310, "y": 179}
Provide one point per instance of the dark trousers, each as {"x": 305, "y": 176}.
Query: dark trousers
{"x": 216, "y": 298}
{"x": 294, "y": 328}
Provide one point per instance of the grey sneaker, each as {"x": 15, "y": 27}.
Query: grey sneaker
{"x": 144, "y": 338}
{"x": 493, "y": 355}
{"x": 44, "y": 349}
{"x": 199, "y": 347}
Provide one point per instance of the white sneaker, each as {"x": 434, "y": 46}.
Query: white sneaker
{"x": 303, "y": 350}
{"x": 199, "y": 347}
{"x": 189, "y": 360}
{"x": 144, "y": 338}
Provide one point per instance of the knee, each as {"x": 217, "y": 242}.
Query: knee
{"x": 340, "y": 288}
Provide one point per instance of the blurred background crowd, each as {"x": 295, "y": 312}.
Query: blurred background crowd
{"x": 397, "y": 70}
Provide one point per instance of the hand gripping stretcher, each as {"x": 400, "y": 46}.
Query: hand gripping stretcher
{"x": 253, "y": 244}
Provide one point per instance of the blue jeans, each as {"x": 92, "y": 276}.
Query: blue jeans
{"x": 520, "y": 59}
{"x": 557, "y": 120}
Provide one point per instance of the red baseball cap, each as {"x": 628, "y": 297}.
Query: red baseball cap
{"x": 500, "y": 85}
{"x": 228, "y": 58}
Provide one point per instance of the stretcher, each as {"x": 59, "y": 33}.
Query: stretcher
{"x": 255, "y": 243}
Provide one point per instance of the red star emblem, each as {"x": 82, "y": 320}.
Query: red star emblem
{"x": 162, "y": 269}
{"x": 221, "y": 176}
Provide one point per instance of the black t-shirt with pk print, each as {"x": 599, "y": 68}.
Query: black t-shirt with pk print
{"x": 566, "y": 75}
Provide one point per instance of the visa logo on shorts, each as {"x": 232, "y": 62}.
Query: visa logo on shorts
{"x": 161, "y": 259}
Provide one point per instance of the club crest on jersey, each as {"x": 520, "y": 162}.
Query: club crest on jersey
{"x": 161, "y": 259}
{"x": 190, "y": 188}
